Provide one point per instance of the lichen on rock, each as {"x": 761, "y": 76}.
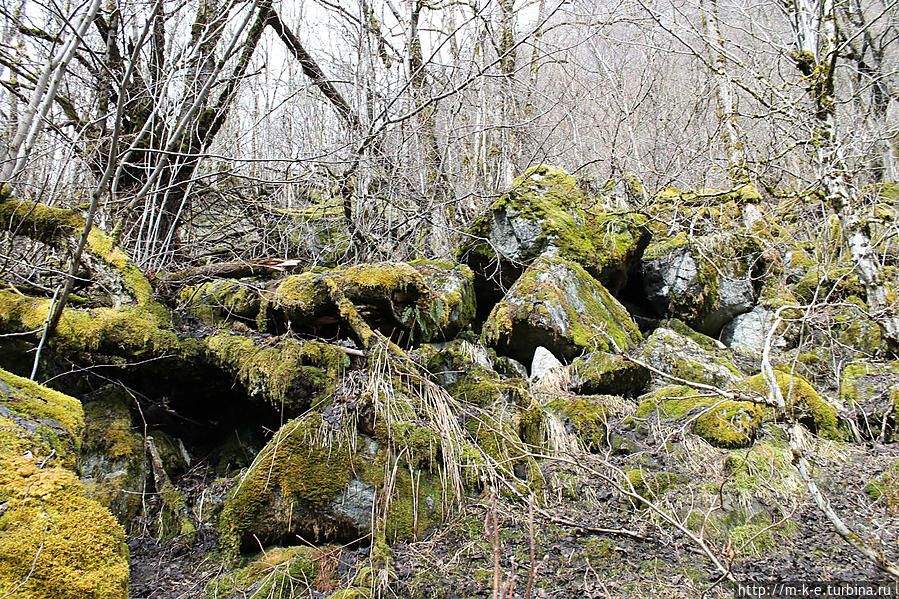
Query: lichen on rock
{"x": 545, "y": 212}
{"x": 682, "y": 356}
{"x": 558, "y": 305}
{"x": 720, "y": 421}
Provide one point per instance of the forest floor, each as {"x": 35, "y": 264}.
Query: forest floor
{"x": 573, "y": 557}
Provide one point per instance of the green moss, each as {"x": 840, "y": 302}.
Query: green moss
{"x": 600, "y": 372}
{"x": 413, "y": 509}
{"x": 425, "y": 300}
{"x": 764, "y": 468}
{"x": 652, "y": 485}
{"x": 112, "y": 456}
{"x": 598, "y": 549}
{"x": 557, "y": 304}
{"x": 222, "y": 300}
{"x": 722, "y": 423}
{"x": 863, "y": 381}
{"x": 681, "y": 328}
{"x": 56, "y": 540}
{"x": 885, "y": 488}
{"x": 279, "y": 573}
{"x": 54, "y": 226}
{"x": 289, "y": 373}
{"x": 129, "y": 331}
{"x": 801, "y": 397}
{"x": 38, "y": 419}
{"x": 301, "y": 464}
{"x": 175, "y": 521}
{"x": 587, "y": 417}
{"x": 665, "y": 247}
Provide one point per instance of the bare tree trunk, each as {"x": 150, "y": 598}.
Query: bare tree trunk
{"x": 725, "y": 96}
{"x": 439, "y": 203}
{"x": 817, "y": 41}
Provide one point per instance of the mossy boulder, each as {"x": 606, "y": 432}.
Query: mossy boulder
{"x": 720, "y": 421}
{"x": 322, "y": 484}
{"x": 449, "y": 362}
{"x": 607, "y": 373}
{"x": 55, "y": 542}
{"x": 870, "y": 391}
{"x": 414, "y": 303}
{"x": 278, "y": 573}
{"x": 113, "y": 464}
{"x": 285, "y": 373}
{"x": 558, "y": 305}
{"x": 130, "y": 332}
{"x": 689, "y": 356}
{"x": 704, "y": 281}
{"x": 585, "y": 417}
{"x": 224, "y": 300}
{"x": 804, "y": 401}
{"x": 293, "y": 487}
{"x": 546, "y": 212}
{"x": 38, "y": 420}
{"x": 58, "y": 541}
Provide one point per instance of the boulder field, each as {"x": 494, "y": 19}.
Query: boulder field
{"x": 363, "y": 405}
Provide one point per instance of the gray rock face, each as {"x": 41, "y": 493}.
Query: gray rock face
{"x": 749, "y": 331}
{"x": 515, "y": 237}
{"x": 354, "y": 505}
{"x": 542, "y": 362}
{"x": 681, "y": 356}
{"x": 669, "y": 276}
{"x": 704, "y": 282}
{"x": 735, "y": 296}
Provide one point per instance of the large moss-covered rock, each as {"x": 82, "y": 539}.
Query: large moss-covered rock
{"x": 558, "y": 305}
{"x": 690, "y": 356}
{"x": 113, "y": 465}
{"x": 457, "y": 359}
{"x": 546, "y": 212}
{"x": 607, "y": 373}
{"x": 292, "y": 488}
{"x": 812, "y": 410}
{"x": 721, "y": 422}
{"x": 323, "y": 484}
{"x": 284, "y": 372}
{"x": 223, "y": 300}
{"x": 703, "y": 281}
{"x": 415, "y": 303}
{"x": 870, "y": 391}
{"x": 55, "y": 542}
